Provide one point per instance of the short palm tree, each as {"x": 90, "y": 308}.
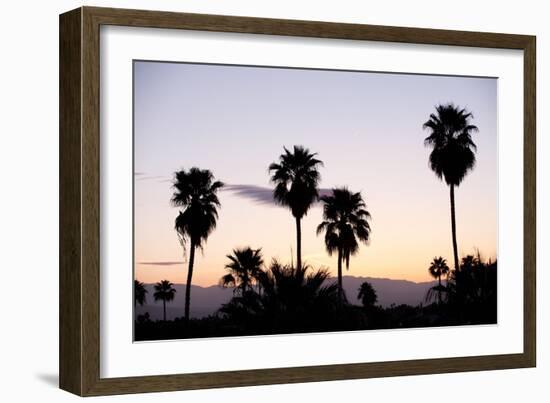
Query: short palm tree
{"x": 453, "y": 152}
{"x": 165, "y": 292}
{"x": 367, "y": 294}
{"x": 244, "y": 267}
{"x": 296, "y": 178}
{"x": 345, "y": 224}
{"x": 292, "y": 299}
{"x": 140, "y": 292}
{"x": 196, "y": 193}
{"x": 437, "y": 269}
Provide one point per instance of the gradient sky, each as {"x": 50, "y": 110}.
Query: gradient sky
{"x": 365, "y": 127}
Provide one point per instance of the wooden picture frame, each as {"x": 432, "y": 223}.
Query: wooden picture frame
{"x": 79, "y": 201}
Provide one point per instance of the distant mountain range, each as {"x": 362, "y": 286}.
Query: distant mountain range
{"x": 207, "y": 300}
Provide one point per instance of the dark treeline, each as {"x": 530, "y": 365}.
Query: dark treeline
{"x": 278, "y": 298}
{"x": 284, "y": 300}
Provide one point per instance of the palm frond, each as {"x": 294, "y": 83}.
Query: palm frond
{"x": 296, "y": 177}
{"x": 450, "y": 137}
{"x": 345, "y": 222}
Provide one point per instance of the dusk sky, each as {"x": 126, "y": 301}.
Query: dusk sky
{"x": 365, "y": 127}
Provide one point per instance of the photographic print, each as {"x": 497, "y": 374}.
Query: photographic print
{"x": 274, "y": 200}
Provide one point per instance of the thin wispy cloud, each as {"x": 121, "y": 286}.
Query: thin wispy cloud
{"x": 259, "y": 194}
{"x": 160, "y": 178}
{"x": 144, "y": 176}
{"x": 167, "y": 263}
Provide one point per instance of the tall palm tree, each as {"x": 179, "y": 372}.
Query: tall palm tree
{"x": 367, "y": 294}
{"x": 296, "y": 178}
{"x": 453, "y": 151}
{"x": 164, "y": 291}
{"x": 244, "y": 267}
{"x": 140, "y": 292}
{"x": 437, "y": 269}
{"x": 345, "y": 223}
{"x": 196, "y": 193}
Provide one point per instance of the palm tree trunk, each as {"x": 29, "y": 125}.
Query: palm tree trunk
{"x": 439, "y": 289}
{"x": 484, "y": 287}
{"x": 340, "y": 276}
{"x": 189, "y": 279}
{"x": 164, "y": 308}
{"x": 453, "y": 226}
{"x": 298, "y": 244}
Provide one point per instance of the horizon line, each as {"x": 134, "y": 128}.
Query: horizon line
{"x": 331, "y": 277}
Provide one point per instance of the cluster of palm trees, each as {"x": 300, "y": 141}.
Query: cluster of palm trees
{"x": 284, "y": 299}
{"x": 474, "y": 284}
{"x": 164, "y": 291}
{"x": 345, "y": 224}
{"x": 268, "y": 293}
{"x": 469, "y": 291}
{"x": 296, "y": 179}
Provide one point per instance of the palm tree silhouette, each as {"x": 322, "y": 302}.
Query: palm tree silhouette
{"x": 196, "y": 192}
{"x": 140, "y": 292}
{"x": 296, "y": 178}
{"x": 164, "y": 291}
{"x": 345, "y": 223}
{"x": 472, "y": 290}
{"x": 367, "y": 294}
{"x": 244, "y": 267}
{"x": 438, "y": 268}
{"x": 292, "y": 300}
{"x": 453, "y": 151}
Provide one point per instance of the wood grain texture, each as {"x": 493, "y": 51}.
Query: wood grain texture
{"x": 530, "y": 202}
{"x": 305, "y": 374}
{"x": 90, "y": 203}
{"x": 316, "y": 29}
{"x": 70, "y": 314}
{"x": 80, "y": 200}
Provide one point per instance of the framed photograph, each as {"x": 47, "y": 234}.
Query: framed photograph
{"x": 274, "y": 201}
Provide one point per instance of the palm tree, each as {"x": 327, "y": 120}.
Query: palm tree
{"x": 196, "y": 192}
{"x": 296, "y": 178}
{"x": 474, "y": 280}
{"x": 140, "y": 292}
{"x": 292, "y": 300}
{"x": 367, "y": 294}
{"x": 472, "y": 290}
{"x": 164, "y": 291}
{"x": 345, "y": 223}
{"x": 244, "y": 267}
{"x": 453, "y": 152}
{"x": 438, "y": 268}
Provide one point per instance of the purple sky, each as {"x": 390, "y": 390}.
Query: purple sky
{"x": 366, "y": 127}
